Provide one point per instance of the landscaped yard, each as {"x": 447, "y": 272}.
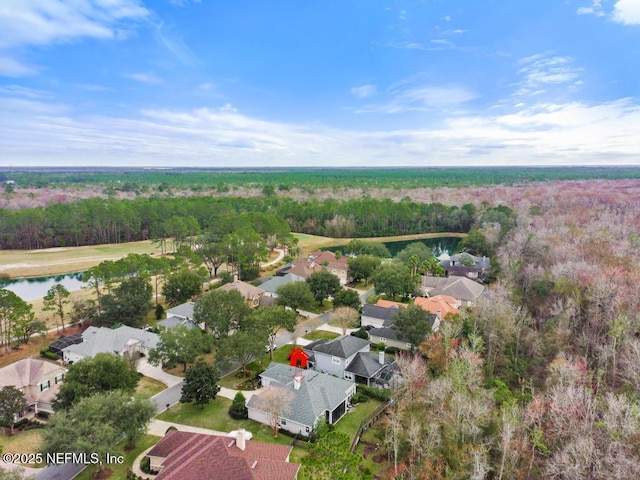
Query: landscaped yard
{"x": 23, "y": 442}
{"x": 148, "y": 387}
{"x": 316, "y": 308}
{"x": 351, "y": 421}
{"x": 119, "y": 471}
{"x": 215, "y": 417}
{"x": 321, "y": 335}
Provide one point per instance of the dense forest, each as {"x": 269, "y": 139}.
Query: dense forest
{"x": 97, "y": 221}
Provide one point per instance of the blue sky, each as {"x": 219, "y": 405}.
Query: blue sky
{"x": 239, "y": 83}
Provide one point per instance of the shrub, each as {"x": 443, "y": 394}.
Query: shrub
{"x": 46, "y": 353}
{"x": 378, "y": 346}
{"x": 359, "y": 398}
{"x": 393, "y": 350}
{"x": 159, "y": 311}
{"x": 361, "y": 333}
{"x": 238, "y": 409}
{"x": 170, "y": 429}
{"x": 381, "y": 394}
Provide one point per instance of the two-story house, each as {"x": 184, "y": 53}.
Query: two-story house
{"x": 349, "y": 357}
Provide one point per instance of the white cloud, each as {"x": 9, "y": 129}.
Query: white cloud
{"x": 173, "y": 42}
{"x": 364, "y": 91}
{"x": 39, "y": 131}
{"x": 594, "y": 9}
{"x": 42, "y": 22}
{"x": 207, "y": 86}
{"x": 10, "y": 67}
{"x": 627, "y": 12}
{"x": 407, "y": 97}
{"x": 540, "y": 72}
{"x": 144, "y": 78}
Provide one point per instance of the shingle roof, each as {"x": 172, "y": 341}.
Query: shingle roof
{"x": 247, "y": 290}
{"x": 273, "y": 283}
{"x": 389, "y": 333}
{"x": 185, "y": 310}
{"x": 318, "y": 392}
{"x": 30, "y": 372}
{"x": 377, "y": 311}
{"x": 343, "y": 346}
{"x": 98, "y": 340}
{"x": 460, "y": 288}
{"x": 367, "y": 364}
{"x": 174, "y": 321}
{"x": 196, "y": 456}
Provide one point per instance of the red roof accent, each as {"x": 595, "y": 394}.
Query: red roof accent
{"x": 298, "y": 358}
{"x": 197, "y": 456}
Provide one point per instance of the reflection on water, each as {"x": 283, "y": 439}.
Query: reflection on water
{"x": 438, "y": 246}
{"x": 31, "y": 288}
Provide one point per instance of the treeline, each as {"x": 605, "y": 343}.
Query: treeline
{"x": 140, "y": 180}
{"x": 97, "y": 221}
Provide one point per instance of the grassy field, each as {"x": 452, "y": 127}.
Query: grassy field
{"x": 321, "y": 335}
{"x": 23, "y": 442}
{"x": 57, "y": 261}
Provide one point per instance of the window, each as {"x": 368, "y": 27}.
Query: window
{"x": 45, "y": 385}
{"x": 307, "y": 429}
{"x": 59, "y": 378}
{"x": 409, "y": 346}
{"x": 335, "y": 360}
{"x": 283, "y": 422}
{"x": 383, "y": 340}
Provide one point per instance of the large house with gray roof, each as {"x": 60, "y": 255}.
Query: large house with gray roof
{"x": 105, "y": 340}
{"x": 271, "y": 285}
{"x": 464, "y": 290}
{"x": 350, "y": 358}
{"x": 316, "y": 397}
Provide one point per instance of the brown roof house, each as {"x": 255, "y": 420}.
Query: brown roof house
{"x": 464, "y": 290}
{"x": 198, "y": 456}
{"x": 317, "y": 261}
{"x": 250, "y": 293}
{"x": 39, "y": 380}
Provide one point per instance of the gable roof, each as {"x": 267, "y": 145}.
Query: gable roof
{"x": 185, "y": 310}
{"x": 197, "y": 456}
{"x": 367, "y": 364}
{"x": 174, "y": 321}
{"x": 247, "y": 290}
{"x": 343, "y": 346}
{"x": 377, "y": 311}
{"x": 318, "y": 392}
{"x": 273, "y": 283}
{"x": 97, "y": 340}
{"x": 389, "y": 333}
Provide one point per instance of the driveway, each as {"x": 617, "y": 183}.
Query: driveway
{"x": 148, "y": 370}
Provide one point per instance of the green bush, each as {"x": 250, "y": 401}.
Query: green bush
{"x": 378, "y": 346}
{"x": 159, "y": 311}
{"x": 46, "y": 353}
{"x": 238, "y": 409}
{"x": 359, "y": 398}
{"x": 380, "y": 394}
{"x": 393, "y": 350}
{"x": 361, "y": 333}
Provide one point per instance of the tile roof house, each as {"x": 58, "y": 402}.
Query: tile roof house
{"x": 250, "y": 293}
{"x": 464, "y": 290}
{"x": 317, "y": 261}
{"x": 39, "y": 380}
{"x": 349, "y": 357}
{"x": 198, "y": 456}
{"x": 317, "y": 397}
{"x": 118, "y": 341}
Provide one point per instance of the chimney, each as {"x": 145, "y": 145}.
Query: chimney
{"x": 240, "y": 440}
{"x": 381, "y": 357}
{"x": 235, "y": 277}
{"x": 297, "y": 381}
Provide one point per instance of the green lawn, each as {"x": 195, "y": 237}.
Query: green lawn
{"x": 148, "y": 387}
{"x": 321, "y": 335}
{"x": 120, "y": 470}
{"x": 315, "y": 308}
{"x": 351, "y": 421}
{"x": 215, "y": 417}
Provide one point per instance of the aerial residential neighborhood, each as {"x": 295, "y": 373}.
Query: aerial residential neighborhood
{"x": 317, "y": 382}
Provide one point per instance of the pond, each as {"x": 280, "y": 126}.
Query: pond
{"x": 31, "y": 288}
{"x": 438, "y": 246}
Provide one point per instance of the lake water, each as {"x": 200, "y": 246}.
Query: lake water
{"x": 31, "y": 288}
{"x": 437, "y": 245}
